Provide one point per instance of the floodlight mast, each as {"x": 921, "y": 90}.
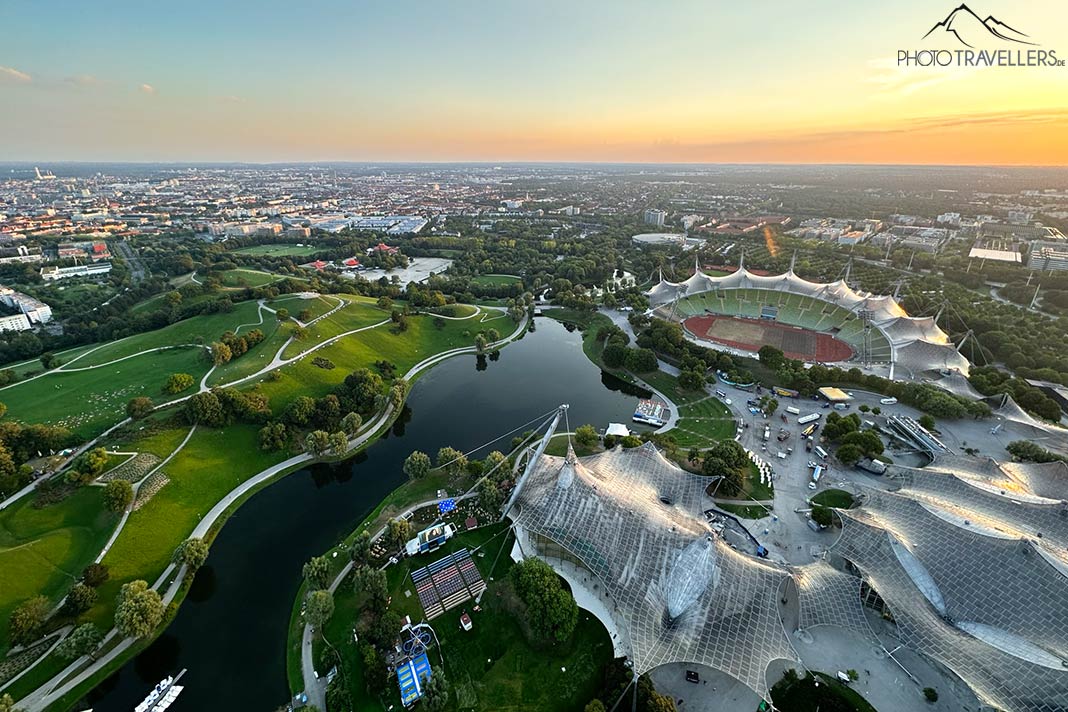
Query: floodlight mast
{"x": 532, "y": 461}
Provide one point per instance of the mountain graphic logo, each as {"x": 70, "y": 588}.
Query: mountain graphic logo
{"x": 970, "y": 29}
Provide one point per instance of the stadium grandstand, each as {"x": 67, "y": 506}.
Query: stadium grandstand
{"x": 811, "y": 321}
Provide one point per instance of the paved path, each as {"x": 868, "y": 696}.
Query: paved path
{"x": 48, "y": 693}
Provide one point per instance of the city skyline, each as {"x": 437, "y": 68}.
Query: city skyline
{"x": 682, "y": 83}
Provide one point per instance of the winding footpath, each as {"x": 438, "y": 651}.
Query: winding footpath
{"x": 75, "y": 674}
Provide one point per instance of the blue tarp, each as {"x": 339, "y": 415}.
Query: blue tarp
{"x": 446, "y": 506}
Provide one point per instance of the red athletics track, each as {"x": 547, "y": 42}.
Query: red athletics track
{"x": 751, "y": 334}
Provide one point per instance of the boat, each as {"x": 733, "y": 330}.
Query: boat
{"x": 162, "y": 695}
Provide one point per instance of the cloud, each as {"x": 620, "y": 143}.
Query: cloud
{"x": 147, "y": 89}
{"x": 81, "y": 80}
{"x": 895, "y": 81}
{"x": 234, "y": 99}
{"x": 14, "y": 76}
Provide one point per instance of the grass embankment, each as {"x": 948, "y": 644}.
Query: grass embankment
{"x": 813, "y": 692}
{"x": 837, "y": 498}
{"x": 241, "y": 278}
{"x": 88, "y": 402}
{"x": 43, "y": 551}
{"x": 356, "y": 314}
{"x": 494, "y": 666}
{"x": 495, "y": 280}
{"x": 703, "y": 423}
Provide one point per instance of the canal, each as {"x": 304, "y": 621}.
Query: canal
{"x": 231, "y": 630}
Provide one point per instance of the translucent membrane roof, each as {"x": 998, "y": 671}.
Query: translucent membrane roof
{"x": 918, "y": 343}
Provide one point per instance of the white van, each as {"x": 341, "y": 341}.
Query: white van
{"x": 888, "y": 401}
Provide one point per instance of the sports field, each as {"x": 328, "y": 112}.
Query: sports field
{"x": 278, "y": 250}
{"x": 751, "y": 334}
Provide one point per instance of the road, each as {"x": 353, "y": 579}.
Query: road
{"x": 133, "y": 261}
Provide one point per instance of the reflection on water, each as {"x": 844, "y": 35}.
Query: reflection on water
{"x": 231, "y": 631}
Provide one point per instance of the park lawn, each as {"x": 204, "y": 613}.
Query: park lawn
{"x": 204, "y": 328}
{"x": 355, "y": 315}
{"x": 405, "y": 349}
{"x": 286, "y": 250}
{"x": 558, "y": 446}
{"x": 241, "y": 278}
{"x": 703, "y": 423}
{"x": 317, "y": 306}
{"x": 88, "y": 402}
{"x": 834, "y": 498}
{"x": 744, "y": 511}
{"x": 669, "y": 386}
{"x": 42, "y": 551}
{"x": 255, "y": 358}
{"x": 212, "y": 463}
{"x": 495, "y": 280}
{"x": 492, "y": 667}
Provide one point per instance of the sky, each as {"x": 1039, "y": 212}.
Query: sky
{"x": 702, "y": 81}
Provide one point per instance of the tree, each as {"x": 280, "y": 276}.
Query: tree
{"x": 930, "y": 694}
{"x": 300, "y": 410}
{"x": 691, "y": 380}
{"x": 551, "y": 609}
{"x": 927, "y": 421}
{"x": 398, "y": 532}
{"x": 282, "y": 314}
{"x": 49, "y": 360}
{"x": 360, "y": 551}
{"x": 641, "y": 360}
{"x": 595, "y": 706}
{"x": 24, "y": 625}
{"x": 339, "y": 443}
{"x": 220, "y": 353}
{"x": 273, "y": 436}
{"x": 317, "y": 572}
{"x": 371, "y": 582}
{"x": 192, "y": 552}
{"x": 586, "y": 435}
{"x": 83, "y": 640}
{"x": 139, "y": 407}
{"x": 435, "y": 692}
{"x": 771, "y": 357}
{"x": 495, "y": 465}
{"x": 317, "y": 442}
{"x": 489, "y": 495}
{"x": 117, "y": 495}
{"x": 451, "y": 461}
{"x": 139, "y": 610}
{"x": 480, "y": 344}
{"x": 79, "y": 600}
{"x": 417, "y": 465}
{"x": 614, "y": 355}
{"x": 319, "y": 608}
{"x": 93, "y": 462}
{"x": 351, "y": 423}
{"x": 205, "y": 409}
{"x": 95, "y": 575}
{"x": 177, "y": 382}
{"x": 849, "y": 454}
{"x": 385, "y": 303}
{"x": 822, "y": 516}
{"x": 7, "y": 704}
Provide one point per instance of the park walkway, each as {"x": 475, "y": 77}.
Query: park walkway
{"x": 40, "y": 699}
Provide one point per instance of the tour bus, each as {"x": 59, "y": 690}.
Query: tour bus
{"x": 817, "y": 472}
{"x": 721, "y": 394}
{"x": 785, "y": 392}
{"x": 793, "y": 411}
{"x": 810, "y": 418}
{"x": 821, "y": 452}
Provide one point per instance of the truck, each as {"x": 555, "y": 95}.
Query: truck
{"x": 872, "y": 465}
{"x": 810, "y": 418}
{"x": 793, "y": 410}
{"x": 767, "y": 433}
{"x": 785, "y": 392}
{"x": 783, "y": 434}
{"x": 809, "y": 430}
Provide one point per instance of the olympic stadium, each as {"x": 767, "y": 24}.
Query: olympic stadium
{"x": 811, "y": 321}
{"x": 963, "y": 563}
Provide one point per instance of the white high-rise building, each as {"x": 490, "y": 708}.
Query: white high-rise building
{"x": 655, "y": 217}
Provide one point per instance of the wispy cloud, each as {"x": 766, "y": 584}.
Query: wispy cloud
{"x": 896, "y": 81}
{"x": 14, "y": 76}
{"x": 147, "y": 89}
{"x": 81, "y": 80}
